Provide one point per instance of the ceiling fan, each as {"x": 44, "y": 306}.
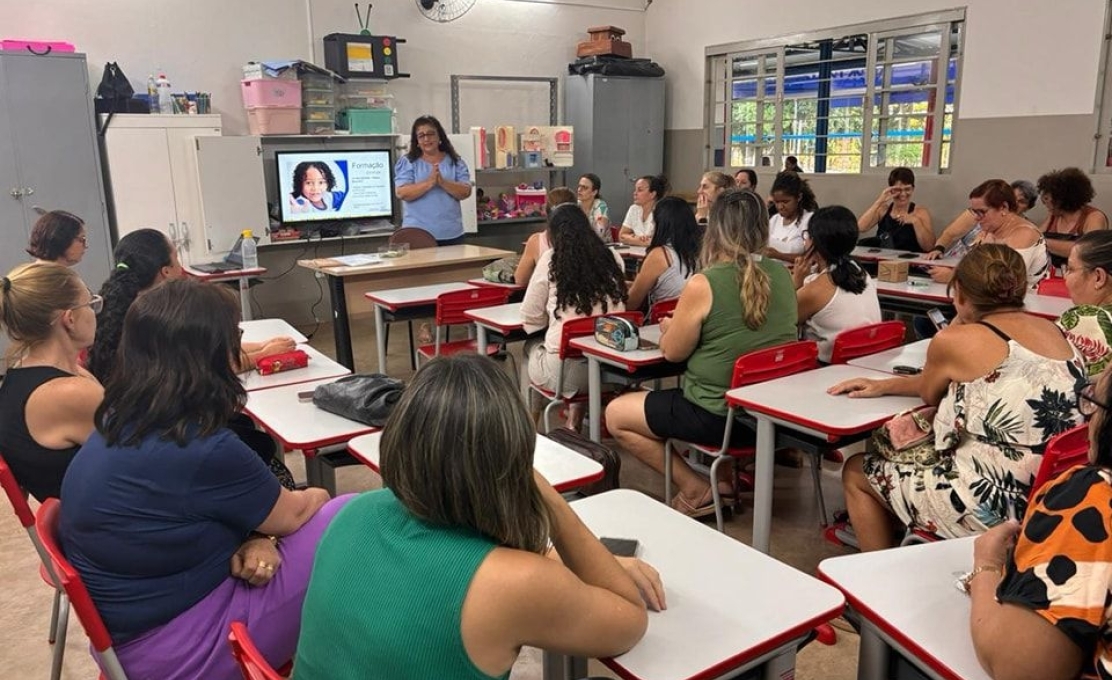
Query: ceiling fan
{"x": 444, "y": 11}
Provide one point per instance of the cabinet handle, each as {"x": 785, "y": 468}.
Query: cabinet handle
{"x": 16, "y": 192}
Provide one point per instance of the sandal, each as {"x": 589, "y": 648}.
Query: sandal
{"x": 701, "y": 508}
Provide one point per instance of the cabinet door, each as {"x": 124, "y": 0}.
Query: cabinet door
{"x": 611, "y": 143}
{"x": 466, "y": 150}
{"x": 142, "y": 185}
{"x": 646, "y": 125}
{"x": 182, "y": 146}
{"x": 232, "y": 191}
{"x": 16, "y": 229}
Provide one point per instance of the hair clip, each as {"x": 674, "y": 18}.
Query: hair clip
{"x": 7, "y": 283}
{"x": 122, "y": 265}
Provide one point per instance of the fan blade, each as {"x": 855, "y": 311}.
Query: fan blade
{"x": 428, "y": 4}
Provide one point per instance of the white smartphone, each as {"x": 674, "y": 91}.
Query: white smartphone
{"x": 937, "y": 318}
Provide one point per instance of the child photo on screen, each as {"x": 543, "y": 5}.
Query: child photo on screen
{"x": 314, "y": 188}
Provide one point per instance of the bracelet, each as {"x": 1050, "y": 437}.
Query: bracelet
{"x": 967, "y": 580}
{"x": 273, "y": 539}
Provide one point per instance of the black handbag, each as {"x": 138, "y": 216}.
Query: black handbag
{"x": 367, "y": 399}
{"x": 113, "y": 93}
{"x": 609, "y": 459}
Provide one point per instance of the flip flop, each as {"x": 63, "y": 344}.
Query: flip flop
{"x": 703, "y": 507}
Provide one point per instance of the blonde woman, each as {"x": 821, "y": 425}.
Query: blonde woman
{"x": 711, "y": 185}
{"x": 739, "y": 302}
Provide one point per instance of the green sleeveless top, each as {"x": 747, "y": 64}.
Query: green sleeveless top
{"x": 386, "y": 596}
{"x": 724, "y": 336}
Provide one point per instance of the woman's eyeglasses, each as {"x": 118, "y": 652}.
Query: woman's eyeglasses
{"x": 95, "y": 303}
{"x": 1087, "y": 402}
{"x": 979, "y": 213}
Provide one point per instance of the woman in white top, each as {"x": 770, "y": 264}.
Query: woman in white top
{"x": 637, "y": 227}
{"x": 577, "y": 277}
{"x": 795, "y": 202}
{"x": 834, "y": 294}
{"x": 596, "y": 210}
{"x": 672, "y": 257}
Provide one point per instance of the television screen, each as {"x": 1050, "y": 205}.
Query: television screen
{"x": 317, "y": 186}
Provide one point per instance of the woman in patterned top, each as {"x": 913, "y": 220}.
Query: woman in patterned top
{"x": 1042, "y": 612}
{"x": 1088, "y": 325}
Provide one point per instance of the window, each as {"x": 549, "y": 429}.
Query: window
{"x": 847, "y": 100}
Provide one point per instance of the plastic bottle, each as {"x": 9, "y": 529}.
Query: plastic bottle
{"x": 152, "y": 95}
{"x": 249, "y": 251}
{"x": 165, "y": 101}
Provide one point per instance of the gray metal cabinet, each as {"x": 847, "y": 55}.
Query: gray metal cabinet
{"x": 48, "y": 156}
{"x": 619, "y": 132}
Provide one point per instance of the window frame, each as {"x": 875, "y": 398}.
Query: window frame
{"x": 1102, "y": 135}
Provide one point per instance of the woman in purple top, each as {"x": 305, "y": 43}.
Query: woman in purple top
{"x": 431, "y": 180}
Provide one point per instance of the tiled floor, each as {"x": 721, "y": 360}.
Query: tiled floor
{"x": 796, "y": 539}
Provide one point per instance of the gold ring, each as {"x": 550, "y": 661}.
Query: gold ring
{"x": 263, "y": 565}
{"x": 270, "y": 567}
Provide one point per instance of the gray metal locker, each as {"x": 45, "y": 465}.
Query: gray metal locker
{"x": 49, "y": 156}
{"x": 619, "y": 132}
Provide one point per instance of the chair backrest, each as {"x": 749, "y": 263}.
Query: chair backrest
{"x": 577, "y": 328}
{"x": 1053, "y": 287}
{"x": 451, "y": 306}
{"x": 660, "y": 309}
{"x": 615, "y": 233}
{"x": 859, "y": 342}
{"x": 16, "y": 496}
{"x": 416, "y": 238}
{"x": 1065, "y": 450}
{"x": 775, "y": 362}
{"x": 250, "y": 660}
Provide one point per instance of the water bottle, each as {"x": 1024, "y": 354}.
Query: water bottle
{"x": 249, "y": 251}
{"x": 165, "y": 101}
{"x": 152, "y": 95}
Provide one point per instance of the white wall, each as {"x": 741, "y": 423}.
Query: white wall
{"x": 1022, "y": 58}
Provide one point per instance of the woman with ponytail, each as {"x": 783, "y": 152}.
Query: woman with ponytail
{"x": 833, "y": 292}
{"x": 739, "y": 302}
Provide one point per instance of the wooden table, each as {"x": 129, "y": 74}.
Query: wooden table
{"x": 319, "y": 368}
{"x": 261, "y": 330}
{"x": 346, "y": 285}
{"x": 242, "y": 275}
{"x": 730, "y": 608}
{"x": 565, "y": 470}
{"x": 415, "y": 302}
{"x": 800, "y": 402}
{"x": 908, "y": 603}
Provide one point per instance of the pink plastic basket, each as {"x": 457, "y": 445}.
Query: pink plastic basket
{"x": 39, "y": 47}
{"x": 270, "y": 92}
{"x": 274, "y": 120}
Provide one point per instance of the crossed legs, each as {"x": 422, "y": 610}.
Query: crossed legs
{"x": 873, "y": 522}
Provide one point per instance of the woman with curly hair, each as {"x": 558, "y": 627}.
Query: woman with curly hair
{"x": 314, "y": 188}
{"x": 795, "y": 203}
{"x": 739, "y": 302}
{"x": 430, "y": 181}
{"x": 1067, "y": 194}
{"x": 672, "y": 257}
{"x": 58, "y": 236}
{"x": 577, "y": 277}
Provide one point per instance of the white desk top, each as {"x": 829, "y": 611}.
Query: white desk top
{"x": 261, "y": 330}
{"x": 502, "y": 318}
{"x": 1047, "y": 306}
{"x": 320, "y": 367}
{"x": 885, "y": 254}
{"x": 629, "y": 360}
{"x": 299, "y": 424}
{"x": 223, "y": 276}
{"x": 801, "y": 400}
{"x": 633, "y": 252}
{"x": 563, "y": 468}
{"x": 415, "y": 296}
{"x": 483, "y": 283}
{"x": 913, "y": 354}
{"x": 909, "y": 594}
{"x": 727, "y": 603}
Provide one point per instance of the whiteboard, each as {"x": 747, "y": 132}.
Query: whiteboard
{"x": 466, "y": 151}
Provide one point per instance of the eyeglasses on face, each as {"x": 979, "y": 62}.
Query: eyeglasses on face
{"x": 83, "y": 239}
{"x": 584, "y": 187}
{"x": 979, "y": 213}
{"x": 95, "y": 303}
{"x": 1087, "y": 402}
{"x": 427, "y": 135}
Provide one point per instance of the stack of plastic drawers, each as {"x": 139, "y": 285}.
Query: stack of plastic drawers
{"x": 318, "y": 110}
{"x": 273, "y": 106}
{"x": 366, "y": 108}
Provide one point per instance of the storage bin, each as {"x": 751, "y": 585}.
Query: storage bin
{"x": 317, "y": 98}
{"x": 315, "y": 113}
{"x": 258, "y": 93}
{"x": 531, "y": 200}
{"x": 318, "y": 127}
{"x": 274, "y": 120}
{"x": 40, "y": 47}
{"x": 369, "y": 121}
{"x": 255, "y": 71}
{"x": 317, "y": 81}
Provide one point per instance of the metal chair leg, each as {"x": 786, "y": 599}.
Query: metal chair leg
{"x": 54, "y": 616}
{"x": 716, "y": 494}
{"x": 668, "y": 471}
{"x": 412, "y": 348}
{"x": 816, "y": 475}
{"x": 60, "y": 639}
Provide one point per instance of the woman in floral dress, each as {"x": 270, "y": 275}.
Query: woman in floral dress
{"x": 1004, "y": 383}
{"x": 1088, "y": 275}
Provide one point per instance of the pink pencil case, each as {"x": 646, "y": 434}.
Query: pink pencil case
{"x": 39, "y": 47}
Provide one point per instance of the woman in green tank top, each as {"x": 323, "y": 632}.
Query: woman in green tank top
{"x": 738, "y": 303}
{"x": 447, "y": 573}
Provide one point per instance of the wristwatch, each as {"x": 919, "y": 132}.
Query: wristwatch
{"x": 967, "y": 580}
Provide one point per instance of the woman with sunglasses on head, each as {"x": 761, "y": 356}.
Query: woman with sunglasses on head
{"x": 899, "y": 222}
{"x": 1088, "y": 277}
{"x": 58, "y": 236}
{"x": 47, "y": 399}
{"x": 1039, "y": 591}
{"x": 430, "y": 180}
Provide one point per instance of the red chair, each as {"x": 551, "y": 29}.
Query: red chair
{"x": 859, "y": 342}
{"x": 450, "y": 308}
{"x": 46, "y": 526}
{"x": 1053, "y": 287}
{"x": 660, "y": 309}
{"x": 573, "y": 328}
{"x": 615, "y": 233}
{"x": 58, "y": 624}
{"x": 250, "y": 660}
{"x": 750, "y": 368}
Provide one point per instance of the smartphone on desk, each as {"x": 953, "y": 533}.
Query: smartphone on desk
{"x": 307, "y": 395}
{"x": 621, "y": 547}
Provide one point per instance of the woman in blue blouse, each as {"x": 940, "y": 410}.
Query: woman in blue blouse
{"x": 431, "y": 180}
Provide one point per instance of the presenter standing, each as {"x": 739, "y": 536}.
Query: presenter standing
{"x": 431, "y": 180}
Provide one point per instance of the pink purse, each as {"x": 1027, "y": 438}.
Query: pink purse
{"x": 908, "y": 438}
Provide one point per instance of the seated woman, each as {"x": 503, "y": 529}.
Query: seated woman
{"x": 385, "y": 602}
{"x": 833, "y": 293}
{"x": 993, "y": 204}
{"x": 47, "y": 399}
{"x": 1067, "y": 195}
{"x": 711, "y": 186}
{"x": 58, "y": 236}
{"x": 958, "y": 236}
{"x": 795, "y": 203}
{"x": 537, "y": 244}
{"x": 167, "y": 515}
{"x": 739, "y": 302}
{"x": 1088, "y": 325}
{"x": 579, "y": 276}
{"x": 672, "y": 257}
{"x": 1039, "y": 594}
{"x": 637, "y": 227}
{"x": 593, "y": 205}
{"x": 1003, "y": 382}
{"x": 900, "y": 224}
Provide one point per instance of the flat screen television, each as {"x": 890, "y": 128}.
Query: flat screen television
{"x": 325, "y": 186}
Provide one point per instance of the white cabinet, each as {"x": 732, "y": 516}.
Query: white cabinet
{"x": 153, "y": 180}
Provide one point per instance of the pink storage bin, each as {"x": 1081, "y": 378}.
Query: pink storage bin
{"x": 39, "y": 47}
{"x": 274, "y": 120}
{"x": 531, "y": 200}
{"x": 270, "y": 92}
